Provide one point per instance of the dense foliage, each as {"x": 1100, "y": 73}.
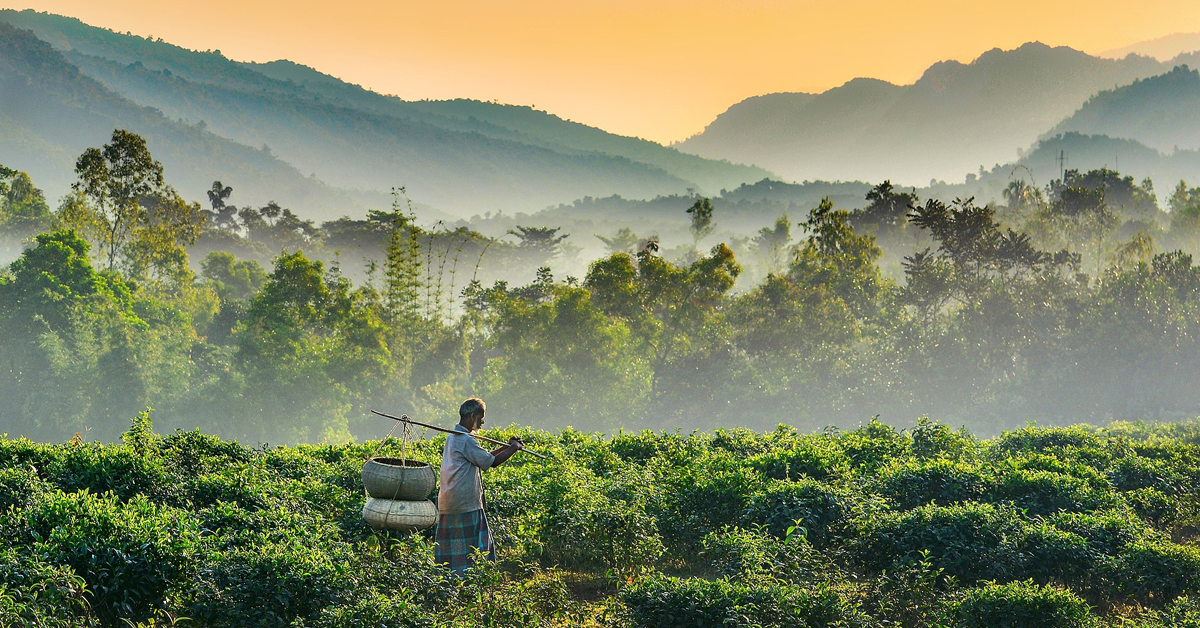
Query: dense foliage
{"x": 1059, "y": 305}
{"x": 873, "y": 527}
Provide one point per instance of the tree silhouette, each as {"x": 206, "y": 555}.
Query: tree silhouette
{"x": 702, "y": 220}
{"x": 222, "y": 216}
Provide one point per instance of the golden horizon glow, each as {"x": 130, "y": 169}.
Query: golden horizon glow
{"x": 661, "y": 69}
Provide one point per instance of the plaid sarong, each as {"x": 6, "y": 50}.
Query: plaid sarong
{"x": 457, "y": 537}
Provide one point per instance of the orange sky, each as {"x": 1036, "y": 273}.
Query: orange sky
{"x": 660, "y": 69}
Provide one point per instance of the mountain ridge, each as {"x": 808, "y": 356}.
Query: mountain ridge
{"x": 50, "y": 113}
{"x": 1162, "y": 112}
{"x": 462, "y": 156}
{"x": 954, "y": 118}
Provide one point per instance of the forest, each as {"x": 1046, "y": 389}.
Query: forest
{"x": 1069, "y": 303}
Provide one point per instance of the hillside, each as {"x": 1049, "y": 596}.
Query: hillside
{"x": 1161, "y": 48}
{"x": 954, "y": 119}
{"x": 50, "y": 113}
{"x": 1162, "y": 112}
{"x": 462, "y": 156}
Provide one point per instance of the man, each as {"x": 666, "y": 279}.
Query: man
{"x": 462, "y": 524}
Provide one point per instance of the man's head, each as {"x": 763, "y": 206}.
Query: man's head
{"x": 470, "y": 413}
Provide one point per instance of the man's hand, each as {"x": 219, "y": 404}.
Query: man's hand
{"x": 504, "y": 453}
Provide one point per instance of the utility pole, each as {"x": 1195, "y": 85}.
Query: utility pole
{"x": 1062, "y": 162}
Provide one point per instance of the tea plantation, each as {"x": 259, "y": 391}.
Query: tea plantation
{"x": 1054, "y": 527}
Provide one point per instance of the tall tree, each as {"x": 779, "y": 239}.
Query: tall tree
{"x": 702, "y": 220}
{"x": 222, "y": 216}
{"x": 117, "y": 178}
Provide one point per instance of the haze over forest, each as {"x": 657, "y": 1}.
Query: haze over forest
{"x": 980, "y": 246}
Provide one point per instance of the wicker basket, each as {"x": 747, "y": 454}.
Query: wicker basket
{"x": 392, "y": 478}
{"x": 404, "y": 516}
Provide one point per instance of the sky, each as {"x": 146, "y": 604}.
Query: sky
{"x": 658, "y": 69}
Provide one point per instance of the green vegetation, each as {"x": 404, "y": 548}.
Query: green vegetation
{"x": 1056, "y": 305}
{"x": 1040, "y": 527}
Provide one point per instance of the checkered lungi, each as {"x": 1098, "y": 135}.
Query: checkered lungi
{"x": 457, "y": 537}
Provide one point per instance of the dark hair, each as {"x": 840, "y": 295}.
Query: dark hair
{"x": 471, "y": 408}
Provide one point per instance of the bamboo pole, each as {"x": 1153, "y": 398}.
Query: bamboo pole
{"x": 405, "y": 419}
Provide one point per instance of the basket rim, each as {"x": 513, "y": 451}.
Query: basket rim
{"x": 397, "y": 462}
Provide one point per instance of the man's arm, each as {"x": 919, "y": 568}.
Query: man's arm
{"x": 502, "y": 454}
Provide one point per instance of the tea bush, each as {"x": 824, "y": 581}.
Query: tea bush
{"x": 130, "y": 554}
{"x": 874, "y": 445}
{"x": 816, "y": 507}
{"x": 299, "y": 581}
{"x": 910, "y": 483}
{"x": 970, "y": 541}
{"x": 666, "y": 602}
{"x": 1022, "y": 604}
{"x": 1045, "y": 492}
{"x": 107, "y": 468}
{"x": 36, "y": 593}
{"x": 1054, "y": 555}
{"x": 602, "y": 523}
{"x": 745, "y": 555}
{"x": 706, "y": 495}
{"x": 1184, "y": 612}
{"x": 816, "y": 457}
{"x": 1156, "y": 571}
{"x": 923, "y": 528}
{"x": 936, "y": 440}
{"x": 18, "y": 486}
{"x": 1107, "y": 533}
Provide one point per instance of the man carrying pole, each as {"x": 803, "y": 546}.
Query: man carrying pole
{"x": 462, "y": 524}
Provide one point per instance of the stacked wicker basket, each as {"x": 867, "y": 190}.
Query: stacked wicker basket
{"x": 398, "y": 494}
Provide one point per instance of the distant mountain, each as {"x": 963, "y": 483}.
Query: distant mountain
{"x": 461, "y": 156}
{"x": 956, "y": 118}
{"x": 1162, "y": 112}
{"x": 1162, "y": 48}
{"x": 50, "y": 113}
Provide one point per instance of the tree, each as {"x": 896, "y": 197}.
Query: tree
{"x": 403, "y": 270}
{"x": 771, "y": 243}
{"x": 1185, "y": 211}
{"x": 1079, "y": 205}
{"x": 54, "y": 276}
{"x": 887, "y": 210}
{"x": 23, "y": 209}
{"x": 625, "y": 241}
{"x": 702, "y": 220}
{"x": 973, "y": 251}
{"x": 277, "y": 226}
{"x": 117, "y": 178}
{"x": 538, "y": 245}
{"x": 157, "y": 248}
{"x": 222, "y": 216}
{"x": 236, "y": 280}
{"x": 310, "y": 348}
{"x": 839, "y": 260}
{"x": 5, "y": 173}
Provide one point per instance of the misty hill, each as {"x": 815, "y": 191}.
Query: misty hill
{"x": 1162, "y": 112}
{"x": 463, "y": 156}
{"x": 50, "y": 113}
{"x": 954, "y": 119}
{"x": 1161, "y": 48}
